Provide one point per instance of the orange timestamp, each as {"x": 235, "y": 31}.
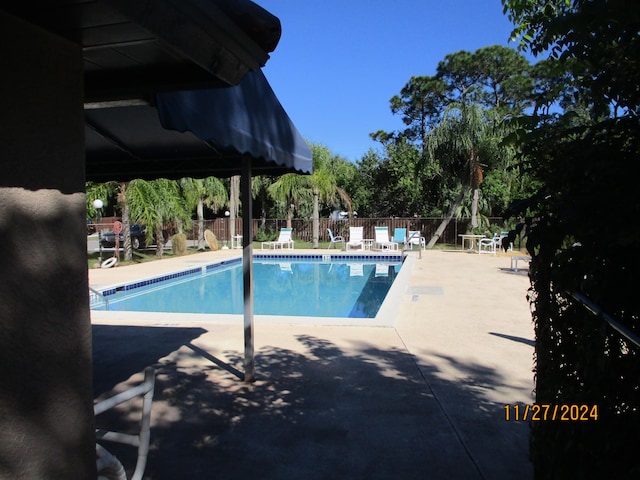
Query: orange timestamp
{"x": 541, "y": 412}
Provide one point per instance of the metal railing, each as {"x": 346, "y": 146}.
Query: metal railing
{"x": 598, "y": 312}
{"x": 96, "y": 297}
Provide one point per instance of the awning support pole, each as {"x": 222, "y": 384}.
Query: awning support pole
{"x": 247, "y": 264}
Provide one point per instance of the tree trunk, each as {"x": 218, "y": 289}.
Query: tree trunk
{"x": 474, "y": 208}
{"x": 126, "y": 233}
{"x": 126, "y": 223}
{"x": 263, "y": 204}
{"x": 200, "y": 213}
{"x": 159, "y": 240}
{"x": 316, "y": 217}
{"x": 289, "y": 216}
{"x": 440, "y": 230}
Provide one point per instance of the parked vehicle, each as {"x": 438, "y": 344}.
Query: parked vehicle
{"x": 138, "y": 237}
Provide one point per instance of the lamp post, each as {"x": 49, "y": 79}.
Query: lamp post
{"x": 98, "y": 204}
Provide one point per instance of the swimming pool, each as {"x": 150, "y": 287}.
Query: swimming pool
{"x": 291, "y": 285}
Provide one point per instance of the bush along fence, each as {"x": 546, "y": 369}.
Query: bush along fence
{"x": 303, "y": 228}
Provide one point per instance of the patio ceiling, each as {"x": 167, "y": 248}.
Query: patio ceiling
{"x": 137, "y": 52}
{"x": 196, "y": 133}
{"x": 132, "y": 49}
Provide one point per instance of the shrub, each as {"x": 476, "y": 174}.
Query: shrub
{"x": 265, "y": 234}
{"x": 179, "y": 244}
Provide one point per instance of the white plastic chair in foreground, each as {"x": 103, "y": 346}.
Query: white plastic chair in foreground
{"x": 284, "y": 240}
{"x": 109, "y": 467}
{"x": 382, "y": 241}
{"x": 356, "y": 238}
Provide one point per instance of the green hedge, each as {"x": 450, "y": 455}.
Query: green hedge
{"x": 583, "y": 237}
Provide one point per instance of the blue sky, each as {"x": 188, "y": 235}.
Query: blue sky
{"x": 340, "y": 61}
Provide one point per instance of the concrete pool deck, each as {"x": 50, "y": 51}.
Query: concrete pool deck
{"x": 424, "y": 398}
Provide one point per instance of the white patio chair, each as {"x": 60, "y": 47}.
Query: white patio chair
{"x": 108, "y": 466}
{"x": 487, "y": 245}
{"x": 415, "y": 238}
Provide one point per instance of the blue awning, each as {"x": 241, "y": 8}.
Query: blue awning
{"x": 195, "y": 133}
{"x": 247, "y": 119}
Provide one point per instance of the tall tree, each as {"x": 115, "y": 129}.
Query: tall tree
{"x": 482, "y": 87}
{"x": 290, "y": 189}
{"x": 323, "y": 186}
{"x": 197, "y": 193}
{"x": 461, "y": 138}
{"x": 468, "y": 97}
{"x": 155, "y": 203}
{"x": 260, "y": 186}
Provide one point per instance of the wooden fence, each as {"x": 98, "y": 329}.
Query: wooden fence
{"x": 303, "y": 229}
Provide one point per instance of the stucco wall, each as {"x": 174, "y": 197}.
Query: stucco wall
{"x": 46, "y": 416}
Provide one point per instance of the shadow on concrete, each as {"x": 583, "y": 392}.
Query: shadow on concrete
{"x": 526, "y": 341}
{"x": 122, "y": 351}
{"x": 522, "y": 271}
{"x": 326, "y": 413}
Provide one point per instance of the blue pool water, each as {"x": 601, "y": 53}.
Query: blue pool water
{"x": 286, "y": 287}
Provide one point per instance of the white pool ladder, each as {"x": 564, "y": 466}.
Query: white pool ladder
{"x": 96, "y": 297}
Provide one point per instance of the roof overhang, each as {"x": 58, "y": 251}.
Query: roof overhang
{"x": 145, "y": 58}
{"x": 197, "y": 133}
{"x": 133, "y": 49}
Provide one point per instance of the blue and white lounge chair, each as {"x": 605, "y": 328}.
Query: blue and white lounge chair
{"x": 334, "y": 240}
{"x": 382, "y": 241}
{"x": 400, "y": 236}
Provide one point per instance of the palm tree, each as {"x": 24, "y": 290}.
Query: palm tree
{"x": 323, "y": 186}
{"x": 154, "y": 203}
{"x": 461, "y": 138}
{"x": 209, "y": 191}
{"x": 260, "y": 189}
{"x": 105, "y": 192}
{"x": 290, "y": 189}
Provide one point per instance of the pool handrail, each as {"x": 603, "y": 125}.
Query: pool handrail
{"x": 93, "y": 293}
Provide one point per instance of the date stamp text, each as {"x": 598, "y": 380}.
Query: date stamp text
{"x": 542, "y": 412}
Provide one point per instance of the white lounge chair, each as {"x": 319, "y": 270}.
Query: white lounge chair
{"x": 356, "y": 240}
{"x": 284, "y": 240}
{"x": 415, "y": 238}
{"x": 334, "y": 240}
{"x": 382, "y": 241}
